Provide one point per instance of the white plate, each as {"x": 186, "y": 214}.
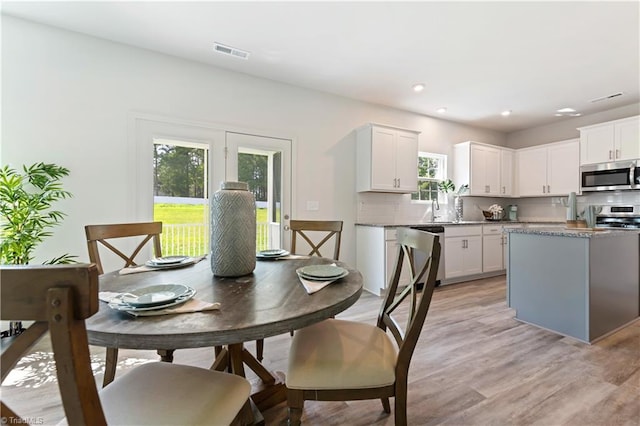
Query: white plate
{"x": 154, "y": 295}
{"x": 168, "y": 260}
{"x": 322, "y": 271}
{"x": 272, "y": 254}
{"x": 312, "y": 278}
{"x": 121, "y": 306}
{"x": 185, "y": 262}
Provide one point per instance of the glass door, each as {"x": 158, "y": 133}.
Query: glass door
{"x": 265, "y": 164}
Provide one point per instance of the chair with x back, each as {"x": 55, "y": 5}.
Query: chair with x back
{"x": 59, "y": 298}
{"x": 339, "y": 360}
{"x": 306, "y": 229}
{"x": 316, "y": 233}
{"x": 103, "y": 235}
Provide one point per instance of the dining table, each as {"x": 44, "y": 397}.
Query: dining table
{"x": 268, "y": 302}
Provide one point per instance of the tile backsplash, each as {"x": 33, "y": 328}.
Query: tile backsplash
{"x": 399, "y": 208}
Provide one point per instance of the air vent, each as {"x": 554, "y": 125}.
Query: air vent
{"x": 232, "y": 51}
{"x": 604, "y": 98}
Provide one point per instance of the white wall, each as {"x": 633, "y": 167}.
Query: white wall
{"x": 66, "y": 98}
{"x": 566, "y": 128}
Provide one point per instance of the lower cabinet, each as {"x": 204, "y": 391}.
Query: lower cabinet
{"x": 492, "y": 248}
{"x": 505, "y": 243}
{"x": 376, "y": 252}
{"x": 463, "y": 250}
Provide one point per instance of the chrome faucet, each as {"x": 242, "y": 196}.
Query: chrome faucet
{"x": 434, "y": 206}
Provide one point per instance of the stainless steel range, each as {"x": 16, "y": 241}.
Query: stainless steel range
{"x": 619, "y": 217}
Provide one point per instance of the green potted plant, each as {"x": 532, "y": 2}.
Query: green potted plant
{"x": 27, "y": 214}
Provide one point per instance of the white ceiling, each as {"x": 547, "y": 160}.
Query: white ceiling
{"x": 475, "y": 58}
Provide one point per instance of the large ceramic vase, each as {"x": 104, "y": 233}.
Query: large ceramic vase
{"x": 233, "y": 230}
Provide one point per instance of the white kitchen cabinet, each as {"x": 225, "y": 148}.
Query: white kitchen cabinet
{"x": 376, "y": 253}
{"x": 492, "y": 248}
{"x": 616, "y": 140}
{"x": 506, "y": 172}
{"x": 463, "y": 250}
{"x": 387, "y": 159}
{"x": 551, "y": 169}
{"x": 477, "y": 165}
{"x": 505, "y": 243}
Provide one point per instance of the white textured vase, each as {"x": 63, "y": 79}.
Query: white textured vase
{"x": 233, "y": 230}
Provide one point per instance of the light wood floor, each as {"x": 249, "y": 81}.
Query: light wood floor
{"x": 474, "y": 365}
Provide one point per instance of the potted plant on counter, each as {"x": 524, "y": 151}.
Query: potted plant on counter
{"x": 27, "y": 214}
{"x": 447, "y": 186}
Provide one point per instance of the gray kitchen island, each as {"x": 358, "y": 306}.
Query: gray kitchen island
{"x": 579, "y": 283}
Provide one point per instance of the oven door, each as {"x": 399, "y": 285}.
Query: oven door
{"x": 609, "y": 176}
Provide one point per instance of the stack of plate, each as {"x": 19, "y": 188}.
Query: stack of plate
{"x": 169, "y": 262}
{"x": 272, "y": 254}
{"x": 322, "y": 272}
{"x": 158, "y": 296}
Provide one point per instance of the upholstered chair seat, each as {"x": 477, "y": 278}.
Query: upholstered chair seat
{"x": 159, "y": 393}
{"x": 338, "y": 354}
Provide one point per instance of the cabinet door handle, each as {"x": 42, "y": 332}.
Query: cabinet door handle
{"x": 395, "y": 182}
{"x": 548, "y": 189}
{"x": 544, "y": 189}
{"x": 610, "y": 155}
{"x": 617, "y": 154}
{"x": 504, "y": 190}
{"x": 398, "y": 182}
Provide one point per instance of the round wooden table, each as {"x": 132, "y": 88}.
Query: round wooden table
{"x": 269, "y": 302}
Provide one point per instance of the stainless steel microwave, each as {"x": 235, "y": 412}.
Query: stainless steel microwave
{"x": 622, "y": 175}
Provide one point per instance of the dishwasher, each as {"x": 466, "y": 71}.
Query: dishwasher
{"x": 419, "y": 256}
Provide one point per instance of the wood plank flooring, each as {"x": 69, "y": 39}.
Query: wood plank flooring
{"x": 474, "y": 365}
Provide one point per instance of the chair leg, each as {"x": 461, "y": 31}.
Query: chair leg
{"x": 400, "y": 408}
{"x": 385, "y": 405}
{"x": 259, "y": 349}
{"x": 166, "y": 355}
{"x": 111, "y": 360}
{"x": 295, "y": 403}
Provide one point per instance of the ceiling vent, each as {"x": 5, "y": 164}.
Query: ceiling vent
{"x": 232, "y": 51}
{"x": 604, "y": 98}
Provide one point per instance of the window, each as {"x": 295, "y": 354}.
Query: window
{"x": 432, "y": 169}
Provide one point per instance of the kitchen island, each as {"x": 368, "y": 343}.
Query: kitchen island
{"x": 579, "y": 283}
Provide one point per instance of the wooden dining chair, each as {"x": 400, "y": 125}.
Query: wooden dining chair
{"x": 316, "y": 233}
{"x": 98, "y": 235}
{"x": 59, "y": 298}
{"x": 338, "y": 360}
{"x": 308, "y": 229}
{"x": 102, "y": 235}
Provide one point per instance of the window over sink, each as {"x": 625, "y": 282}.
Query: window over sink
{"x": 432, "y": 169}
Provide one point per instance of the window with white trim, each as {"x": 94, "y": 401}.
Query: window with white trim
{"x": 432, "y": 169}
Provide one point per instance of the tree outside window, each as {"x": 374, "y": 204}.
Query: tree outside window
{"x": 432, "y": 169}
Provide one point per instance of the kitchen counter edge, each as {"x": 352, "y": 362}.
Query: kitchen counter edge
{"x": 465, "y": 222}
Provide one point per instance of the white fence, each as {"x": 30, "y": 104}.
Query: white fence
{"x": 193, "y": 239}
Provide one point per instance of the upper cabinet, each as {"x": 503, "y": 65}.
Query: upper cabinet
{"x": 551, "y": 169}
{"x": 506, "y": 172}
{"x": 481, "y": 167}
{"x": 387, "y": 159}
{"x": 611, "y": 141}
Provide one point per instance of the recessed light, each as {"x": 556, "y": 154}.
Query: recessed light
{"x": 506, "y": 113}
{"x": 441, "y": 110}
{"x": 418, "y": 87}
{"x": 562, "y": 110}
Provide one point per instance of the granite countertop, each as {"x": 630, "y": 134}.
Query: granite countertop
{"x": 574, "y": 232}
{"x": 464, "y": 222}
